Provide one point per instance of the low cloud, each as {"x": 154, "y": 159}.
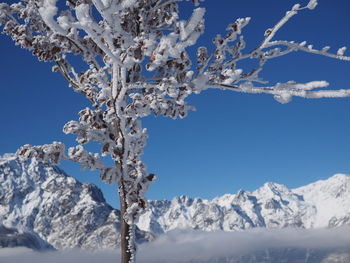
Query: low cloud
{"x": 186, "y": 246}
{"x": 18, "y": 255}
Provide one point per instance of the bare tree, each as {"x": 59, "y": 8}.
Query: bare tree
{"x": 137, "y": 65}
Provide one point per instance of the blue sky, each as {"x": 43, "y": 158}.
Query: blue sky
{"x": 233, "y": 140}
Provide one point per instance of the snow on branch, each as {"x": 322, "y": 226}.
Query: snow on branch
{"x": 284, "y": 92}
{"x": 55, "y": 152}
{"x": 187, "y": 28}
{"x": 220, "y": 69}
{"x": 292, "y": 46}
{"x": 45, "y": 153}
{"x": 48, "y": 11}
{"x": 88, "y": 160}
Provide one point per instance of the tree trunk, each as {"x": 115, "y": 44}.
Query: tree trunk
{"x": 127, "y": 246}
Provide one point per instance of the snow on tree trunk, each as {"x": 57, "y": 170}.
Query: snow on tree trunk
{"x": 118, "y": 41}
{"x": 127, "y": 231}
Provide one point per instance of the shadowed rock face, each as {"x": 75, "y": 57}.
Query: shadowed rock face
{"x": 10, "y": 237}
{"x": 41, "y": 200}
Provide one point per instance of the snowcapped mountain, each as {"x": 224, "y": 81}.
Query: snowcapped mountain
{"x": 324, "y": 203}
{"x": 56, "y": 210}
{"x": 330, "y": 199}
{"x": 41, "y": 205}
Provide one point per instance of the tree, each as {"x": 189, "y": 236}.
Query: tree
{"x": 136, "y": 53}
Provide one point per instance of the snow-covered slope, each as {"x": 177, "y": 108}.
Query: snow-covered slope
{"x": 331, "y": 199}
{"x": 41, "y": 200}
{"x": 321, "y": 204}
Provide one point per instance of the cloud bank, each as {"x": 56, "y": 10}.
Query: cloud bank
{"x": 197, "y": 246}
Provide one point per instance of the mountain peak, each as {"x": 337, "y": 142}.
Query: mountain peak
{"x": 41, "y": 200}
{"x": 271, "y": 189}
{"x": 340, "y": 177}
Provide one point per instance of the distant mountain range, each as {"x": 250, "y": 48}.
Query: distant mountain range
{"x": 43, "y": 208}
{"x": 325, "y": 203}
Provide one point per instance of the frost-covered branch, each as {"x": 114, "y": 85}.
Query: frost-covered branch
{"x": 270, "y": 33}
{"x": 220, "y": 69}
{"x": 292, "y": 46}
{"x": 55, "y": 152}
{"x": 283, "y": 92}
{"x": 45, "y": 153}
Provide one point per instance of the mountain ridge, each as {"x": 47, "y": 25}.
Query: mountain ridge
{"x": 42, "y": 201}
{"x": 272, "y": 205}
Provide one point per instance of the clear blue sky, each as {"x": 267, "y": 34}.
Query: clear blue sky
{"x": 232, "y": 141}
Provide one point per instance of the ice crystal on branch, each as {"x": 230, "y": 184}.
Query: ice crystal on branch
{"x": 136, "y": 53}
{"x": 45, "y": 153}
